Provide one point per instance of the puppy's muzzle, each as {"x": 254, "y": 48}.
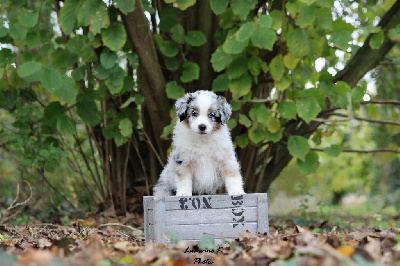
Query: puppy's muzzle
{"x": 202, "y": 128}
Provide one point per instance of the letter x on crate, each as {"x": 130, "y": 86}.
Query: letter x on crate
{"x": 193, "y": 217}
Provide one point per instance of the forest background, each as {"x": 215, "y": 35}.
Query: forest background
{"x": 87, "y": 91}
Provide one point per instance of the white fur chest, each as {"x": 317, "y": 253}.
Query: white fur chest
{"x": 204, "y": 153}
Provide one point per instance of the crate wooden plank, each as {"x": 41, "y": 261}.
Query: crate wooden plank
{"x": 191, "y": 218}
{"x": 262, "y": 213}
{"x": 209, "y": 216}
{"x": 207, "y": 202}
{"x": 198, "y": 231}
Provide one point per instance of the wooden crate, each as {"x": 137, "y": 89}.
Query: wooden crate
{"x": 192, "y": 218}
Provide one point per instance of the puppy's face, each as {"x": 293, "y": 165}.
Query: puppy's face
{"x": 203, "y": 111}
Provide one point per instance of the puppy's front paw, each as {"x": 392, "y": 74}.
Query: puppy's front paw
{"x": 183, "y": 192}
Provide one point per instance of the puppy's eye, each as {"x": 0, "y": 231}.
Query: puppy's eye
{"x": 211, "y": 115}
{"x": 194, "y": 113}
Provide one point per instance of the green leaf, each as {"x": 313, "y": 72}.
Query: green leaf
{"x": 265, "y": 21}
{"x": 310, "y": 163}
{"x": 7, "y": 57}
{"x": 245, "y": 31}
{"x": 195, "y": 38}
{"x": 233, "y": 46}
{"x": 125, "y": 126}
{"x": 190, "y": 72}
{"x": 306, "y": 16}
{"x": 226, "y": 19}
{"x": 51, "y": 79}
{"x": 243, "y": 7}
{"x": 307, "y": 2}
{"x": 254, "y": 65}
{"x": 273, "y": 125}
{"x": 341, "y": 88}
{"x": 298, "y": 42}
{"x": 66, "y": 125}
{"x": 119, "y": 139}
{"x": 283, "y": 83}
{"x": 17, "y": 31}
{"x": 394, "y": 34}
{"x": 290, "y": 61}
{"x": 260, "y": 113}
{"x": 333, "y": 150}
{"x": 174, "y": 91}
{"x": 324, "y": 18}
{"x": 62, "y": 58}
{"x": 244, "y": 120}
{"x": 256, "y": 134}
{"x": 115, "y": 82}
{"x": 308, "y": 108}
{"x": 274, "y": 137}
{"x": 287, "y": 109}
{"x": 242, "y": 141}
{"x": 67, "y": 91}
{"x": 298, "y": 146}
{"x": 86, "y": 12}
{"x": 126, "y": 6}
{"x": 87, "y": 110}
{"x": 238, "y": 67}
{"x": 178, "y": 33}
{"x": 67, "y": 16}
{"x": 75, "y": 43}
{"x": 221, "y": 83}
{"x": 3, "y": 30}
{"x": 240, "y": 86}
{"x": 100, "y": 20}
{"x": 220, "y": 60}
{"x": 377, "y": 40}
{"x": 276, "y": 16}
{"x": 114, "y": 37}
{"x": 184, "y": 4}
{"x": 29, "y": 68}
{"x": 341, "y": 39}
{"x": 133, "y": 59}
{"x": 108, "y": 132}
{"x": 207, "y": 242}
{"x": 276, "y": 67}
{"x": 171, "y": 63}
{"x": 263, "y": 38}
{"x": 168, "y": 48}
{"x": 28, "y": 18}
{"x": 108, "y": 58}
{"x": 51, "y": 113}
{"x": 218, "y": 6}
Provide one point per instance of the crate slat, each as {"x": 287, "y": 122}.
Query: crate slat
{"x": 208, "y": 216}
{"x": 198, "y": 231}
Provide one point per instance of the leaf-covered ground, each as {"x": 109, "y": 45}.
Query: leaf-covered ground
{"x": 114, "y": 242}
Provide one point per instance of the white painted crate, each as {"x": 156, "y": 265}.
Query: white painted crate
{"x": 192, "y": 218}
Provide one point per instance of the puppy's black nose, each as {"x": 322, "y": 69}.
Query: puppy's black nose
{"x": 202, "y": 127}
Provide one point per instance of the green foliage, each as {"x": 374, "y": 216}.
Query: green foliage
{"x": 93, "y": 82}
{"x": 207, "y": 242}
{"x": 298, "y": 146}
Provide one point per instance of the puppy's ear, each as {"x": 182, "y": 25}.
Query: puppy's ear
{"x": 182, "y": 105}
{"x": 225, "y": 109}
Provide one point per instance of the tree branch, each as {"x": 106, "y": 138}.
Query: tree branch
{"x": 205, "y": 24}
{"x": 367, "y": 58}
{"x": 150, "y": 74}
{"x": 363, "y": 151}
{"x": 394, "y": 102}
{"x": 388, "y": 122}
